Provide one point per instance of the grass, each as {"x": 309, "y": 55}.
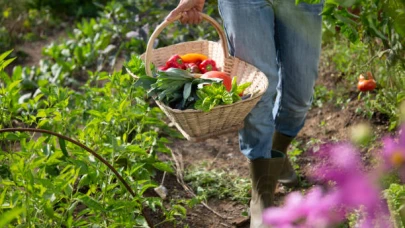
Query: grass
{"x": 218, "y": 184}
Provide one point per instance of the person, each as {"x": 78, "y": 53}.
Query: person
{"x": 283, "y": 40}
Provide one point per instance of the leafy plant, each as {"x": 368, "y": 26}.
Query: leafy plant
{"x": 395, "y": 195}
{"x": 378, "y": 23}
{"x": 387, "y": 102}
{"x": 21, "y": 23}
{"x": 76, "y": 8}
{"x": 322, "y": 95}
{"x": 218, "y": 184}
{"x": 77, "y": 190}
{"x": 57, "y": 183}
{"x": 5, "y": 62}
{"x": 216, "y": 94}
{"x": 9, "y": 92}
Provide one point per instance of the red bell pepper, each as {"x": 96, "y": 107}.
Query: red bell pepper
{"x": 163, "y": 68}
{"x": 176, "y": 62}
{"x": 208, "y": 65}
{"x": 192, "y": 68}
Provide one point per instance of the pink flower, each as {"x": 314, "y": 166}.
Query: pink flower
{"x": 347, "y": 188}
{"x": 340, "y": 165}
{"x": 335, "y": 162}
{"x": 354, "y": 187}
{"x": 394, "y": 153}
{"x": 314, "y": 210}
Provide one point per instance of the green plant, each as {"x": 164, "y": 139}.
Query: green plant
{"x": 218, "y": 184}
{"x": 60, "y": 190}
{"x": 322, "y": 95}
{"x": 9, "y": 92}
{"x": 395, "y": 196}
{"x": 48, "y": 182}
{"x": 388, "y": 102}
{"x": 21, "y": 23}
{"x": 5, "y": 62}
{"x": 295, "y": 153}
{"x": 378, "y": 23}
{"x": 76, "y": 8}
{"x": 375, "y": 42}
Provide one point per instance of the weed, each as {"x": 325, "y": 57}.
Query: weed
{"x": 218, "y": 184}
{"x": 294, "y": 153}
{"x": 322, "y": 95}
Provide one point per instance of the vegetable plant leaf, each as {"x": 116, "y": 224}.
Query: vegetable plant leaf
{"x": 9, "y": 216}
{"x": 62, "y": 145}
{"x": 90, "y": 202}
{"x": 5, "y": 54}
{"x": 186, "y": 92}
{"x": 242, "y": 87}
{"x": 163, "y": 167}
{"x": 145, "y": 82}
{"x": 227, "y": 98}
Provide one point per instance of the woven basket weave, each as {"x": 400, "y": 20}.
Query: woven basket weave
{"x": 197, "y": 125}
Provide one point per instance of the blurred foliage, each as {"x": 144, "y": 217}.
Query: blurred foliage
{"x": 369, "y": 35}
{"x": 74, "y": 8}
{"x": 35, "y": 19}
{"x": 30, "y": 20}
{"x": 378, "y": 23}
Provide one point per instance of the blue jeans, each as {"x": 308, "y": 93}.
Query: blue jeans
{"x": 283, "y": 40}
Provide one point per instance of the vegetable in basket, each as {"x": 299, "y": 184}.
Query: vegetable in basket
{"x": 193, "y": 62}
{"x": 217, "y": 94}
{"x": 176, "y": 62}
{"x": 178, "y": 89}
{"x": 208, "y": 65}
{"x": 226, "y": 79}
{"x": 193, "y": 58}
{"x": 174, "y": 87}
{"x": 192, "y": 68}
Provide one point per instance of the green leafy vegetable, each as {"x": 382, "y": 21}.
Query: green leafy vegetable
{"x": 216, "y": 94}
{"x": 174, "y": 87}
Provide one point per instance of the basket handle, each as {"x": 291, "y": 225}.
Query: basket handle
{"x": 159, "y": 29}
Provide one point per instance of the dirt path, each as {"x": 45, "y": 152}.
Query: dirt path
{"x": 323, "y": 124}
{"x": 33, "y": 50}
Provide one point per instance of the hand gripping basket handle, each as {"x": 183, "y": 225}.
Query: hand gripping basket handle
{"x": 159, "y": 29}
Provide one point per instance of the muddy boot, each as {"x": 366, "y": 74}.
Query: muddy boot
{"x": 264, "y": 173}
{"x": 288, "y": 177}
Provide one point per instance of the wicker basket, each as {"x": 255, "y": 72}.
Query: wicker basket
{"x": 197, "y": 125}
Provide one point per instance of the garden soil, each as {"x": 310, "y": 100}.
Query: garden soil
{"x": 327, "y": 123}
{"x": 31, "y": 52}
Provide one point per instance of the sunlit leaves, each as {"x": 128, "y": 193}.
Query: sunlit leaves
{"x": 378, "y": 23}
{"x": 58, "y": 183}
{"x": 117, "y": 121}
{"x": 3, "y": 61}
{"x": 9, "y": 216}
{"x": 344, "y": 3}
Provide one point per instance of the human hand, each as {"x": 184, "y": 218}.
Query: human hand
{"x": 189, "y": 10}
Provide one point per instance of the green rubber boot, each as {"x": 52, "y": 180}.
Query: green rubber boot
{"x": 288, "y": 177}
{"x": 264, "y": 173}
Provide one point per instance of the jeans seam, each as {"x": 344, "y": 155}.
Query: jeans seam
{"x": 279, "y": 69}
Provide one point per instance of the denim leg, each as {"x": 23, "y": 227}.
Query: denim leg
{"x": 249, "y": 26}
{"x": 298, "y": 41}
